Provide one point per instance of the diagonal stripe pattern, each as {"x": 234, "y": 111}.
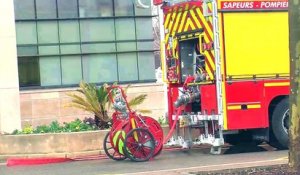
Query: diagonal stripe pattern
{"x": 188, "y": 17}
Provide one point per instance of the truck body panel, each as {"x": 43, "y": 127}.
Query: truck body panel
{"x": 253, "y": 58}
{"x": 256, "y": 43}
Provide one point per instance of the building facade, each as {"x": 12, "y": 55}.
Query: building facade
{"x": 61, "y": 42}
{"x": 54, "y": 44}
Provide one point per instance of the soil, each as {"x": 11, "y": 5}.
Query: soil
{"x": 264, "y": 170}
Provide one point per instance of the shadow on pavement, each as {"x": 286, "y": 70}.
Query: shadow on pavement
{"x": 244, "y": 148}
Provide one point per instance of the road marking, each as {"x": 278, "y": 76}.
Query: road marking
{"x": 2, "y": 164}
{"x": 217, "y": 167}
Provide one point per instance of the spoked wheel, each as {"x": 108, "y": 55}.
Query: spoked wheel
{"x": 110, "y": 150}
{"x": 139, "y": 145}
{"x": 155, "y": 129}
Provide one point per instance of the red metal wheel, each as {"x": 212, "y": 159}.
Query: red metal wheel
{"x": 155, "y": 129}
{"x": 110, "y": 150}
{"x": 117, "y": 136}
{"x": 139, "y": 145}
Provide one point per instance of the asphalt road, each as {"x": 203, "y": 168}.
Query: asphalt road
{"x": 168, "y": 162}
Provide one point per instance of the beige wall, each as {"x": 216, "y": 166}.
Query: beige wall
{"x": 9, "y": 86}
{"x": 44, "y": 106}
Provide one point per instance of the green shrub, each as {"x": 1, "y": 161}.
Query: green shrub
{"x": 42, "y": 129}
{"x": 27, "y": 129}
{"x": 54, "y": 127}
{"x": 76, "y": 126}
{"x": 163, "y": 120}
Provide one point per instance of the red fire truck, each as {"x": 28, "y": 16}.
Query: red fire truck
{"x": 226, "y": 65}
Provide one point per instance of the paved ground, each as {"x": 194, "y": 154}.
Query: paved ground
{"x": 169, "y": 162}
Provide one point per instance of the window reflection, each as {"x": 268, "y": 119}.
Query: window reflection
{"x": 46, "y": 9}
{"x": 95, "y": 8}
{"x": 67, "y": 8}
{"x": 124, "y": 8}
{"x": 29, "y": 74}
{"x": 24, "y": 9}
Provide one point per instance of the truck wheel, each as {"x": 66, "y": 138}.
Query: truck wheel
{"x": 280, "y": 125}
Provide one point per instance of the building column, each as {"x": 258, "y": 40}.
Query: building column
{"x": 9, "y": 82}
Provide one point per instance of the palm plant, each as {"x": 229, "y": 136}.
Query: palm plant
{"x": 96, "y": 100}
{"x": 134, "y": 102}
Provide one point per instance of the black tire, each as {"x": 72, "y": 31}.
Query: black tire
{"x": 140, "y": 150}
{"x": 110, "y": 151}
{"x": 280, "y": 125}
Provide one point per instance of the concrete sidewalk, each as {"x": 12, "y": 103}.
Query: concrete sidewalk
{"x": 168, "y": 162}
{"x": 210, "y": 168}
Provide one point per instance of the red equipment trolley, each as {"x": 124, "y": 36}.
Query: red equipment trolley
{"x": 132, "y": 135}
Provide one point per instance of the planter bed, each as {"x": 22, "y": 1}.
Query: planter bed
{"x": 72, "y": 144}
{"x": 52, "y": 144}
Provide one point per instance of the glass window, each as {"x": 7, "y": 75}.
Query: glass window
{"x": 29, "y": 74}
{"x": 24, "y": 9}
{"x": 67, "y": 8}
{"x": 125, "y": 29}
{"x": 48, "y": 50}
{"x": 127, "y": 67}
{"x": 95, "y": 8}
{"x": 128, "y": 46}
{"x": 144, "y": 28}
{"x": 98, "y": 48}
{"x": 143, "y": 11}
{"x": 46, "y": 9}
{"x": 124, "y": 8}
{"x": 176, "y": 1}
{"x": 69, "y": 31}
{"x": 47, "y": 32}
{"x": 27, "y": 50}
{"x": 70, "y": 49}
{"x": 97, "y": 30}
{"x": 50, "y": 71}
{"x": 100, "y": 68}
{"x": 145, "y": 46}
{"x": 71, "y": 70}
{"x": 146, "y": 66}
{"x": 26, "y": 33}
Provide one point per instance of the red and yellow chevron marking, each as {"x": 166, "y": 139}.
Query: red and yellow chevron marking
{"x": 188, "y": 17}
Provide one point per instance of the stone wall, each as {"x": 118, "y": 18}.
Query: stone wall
{"x": 44, "y": 106}
{"x": 55, "y": 145}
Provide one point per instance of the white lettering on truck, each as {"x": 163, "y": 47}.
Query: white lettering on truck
{"x": 274, "y": 4}
{"x": 238, "y": 5}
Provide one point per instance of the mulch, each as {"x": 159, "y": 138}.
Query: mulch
{"x": 263, "y": 170}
